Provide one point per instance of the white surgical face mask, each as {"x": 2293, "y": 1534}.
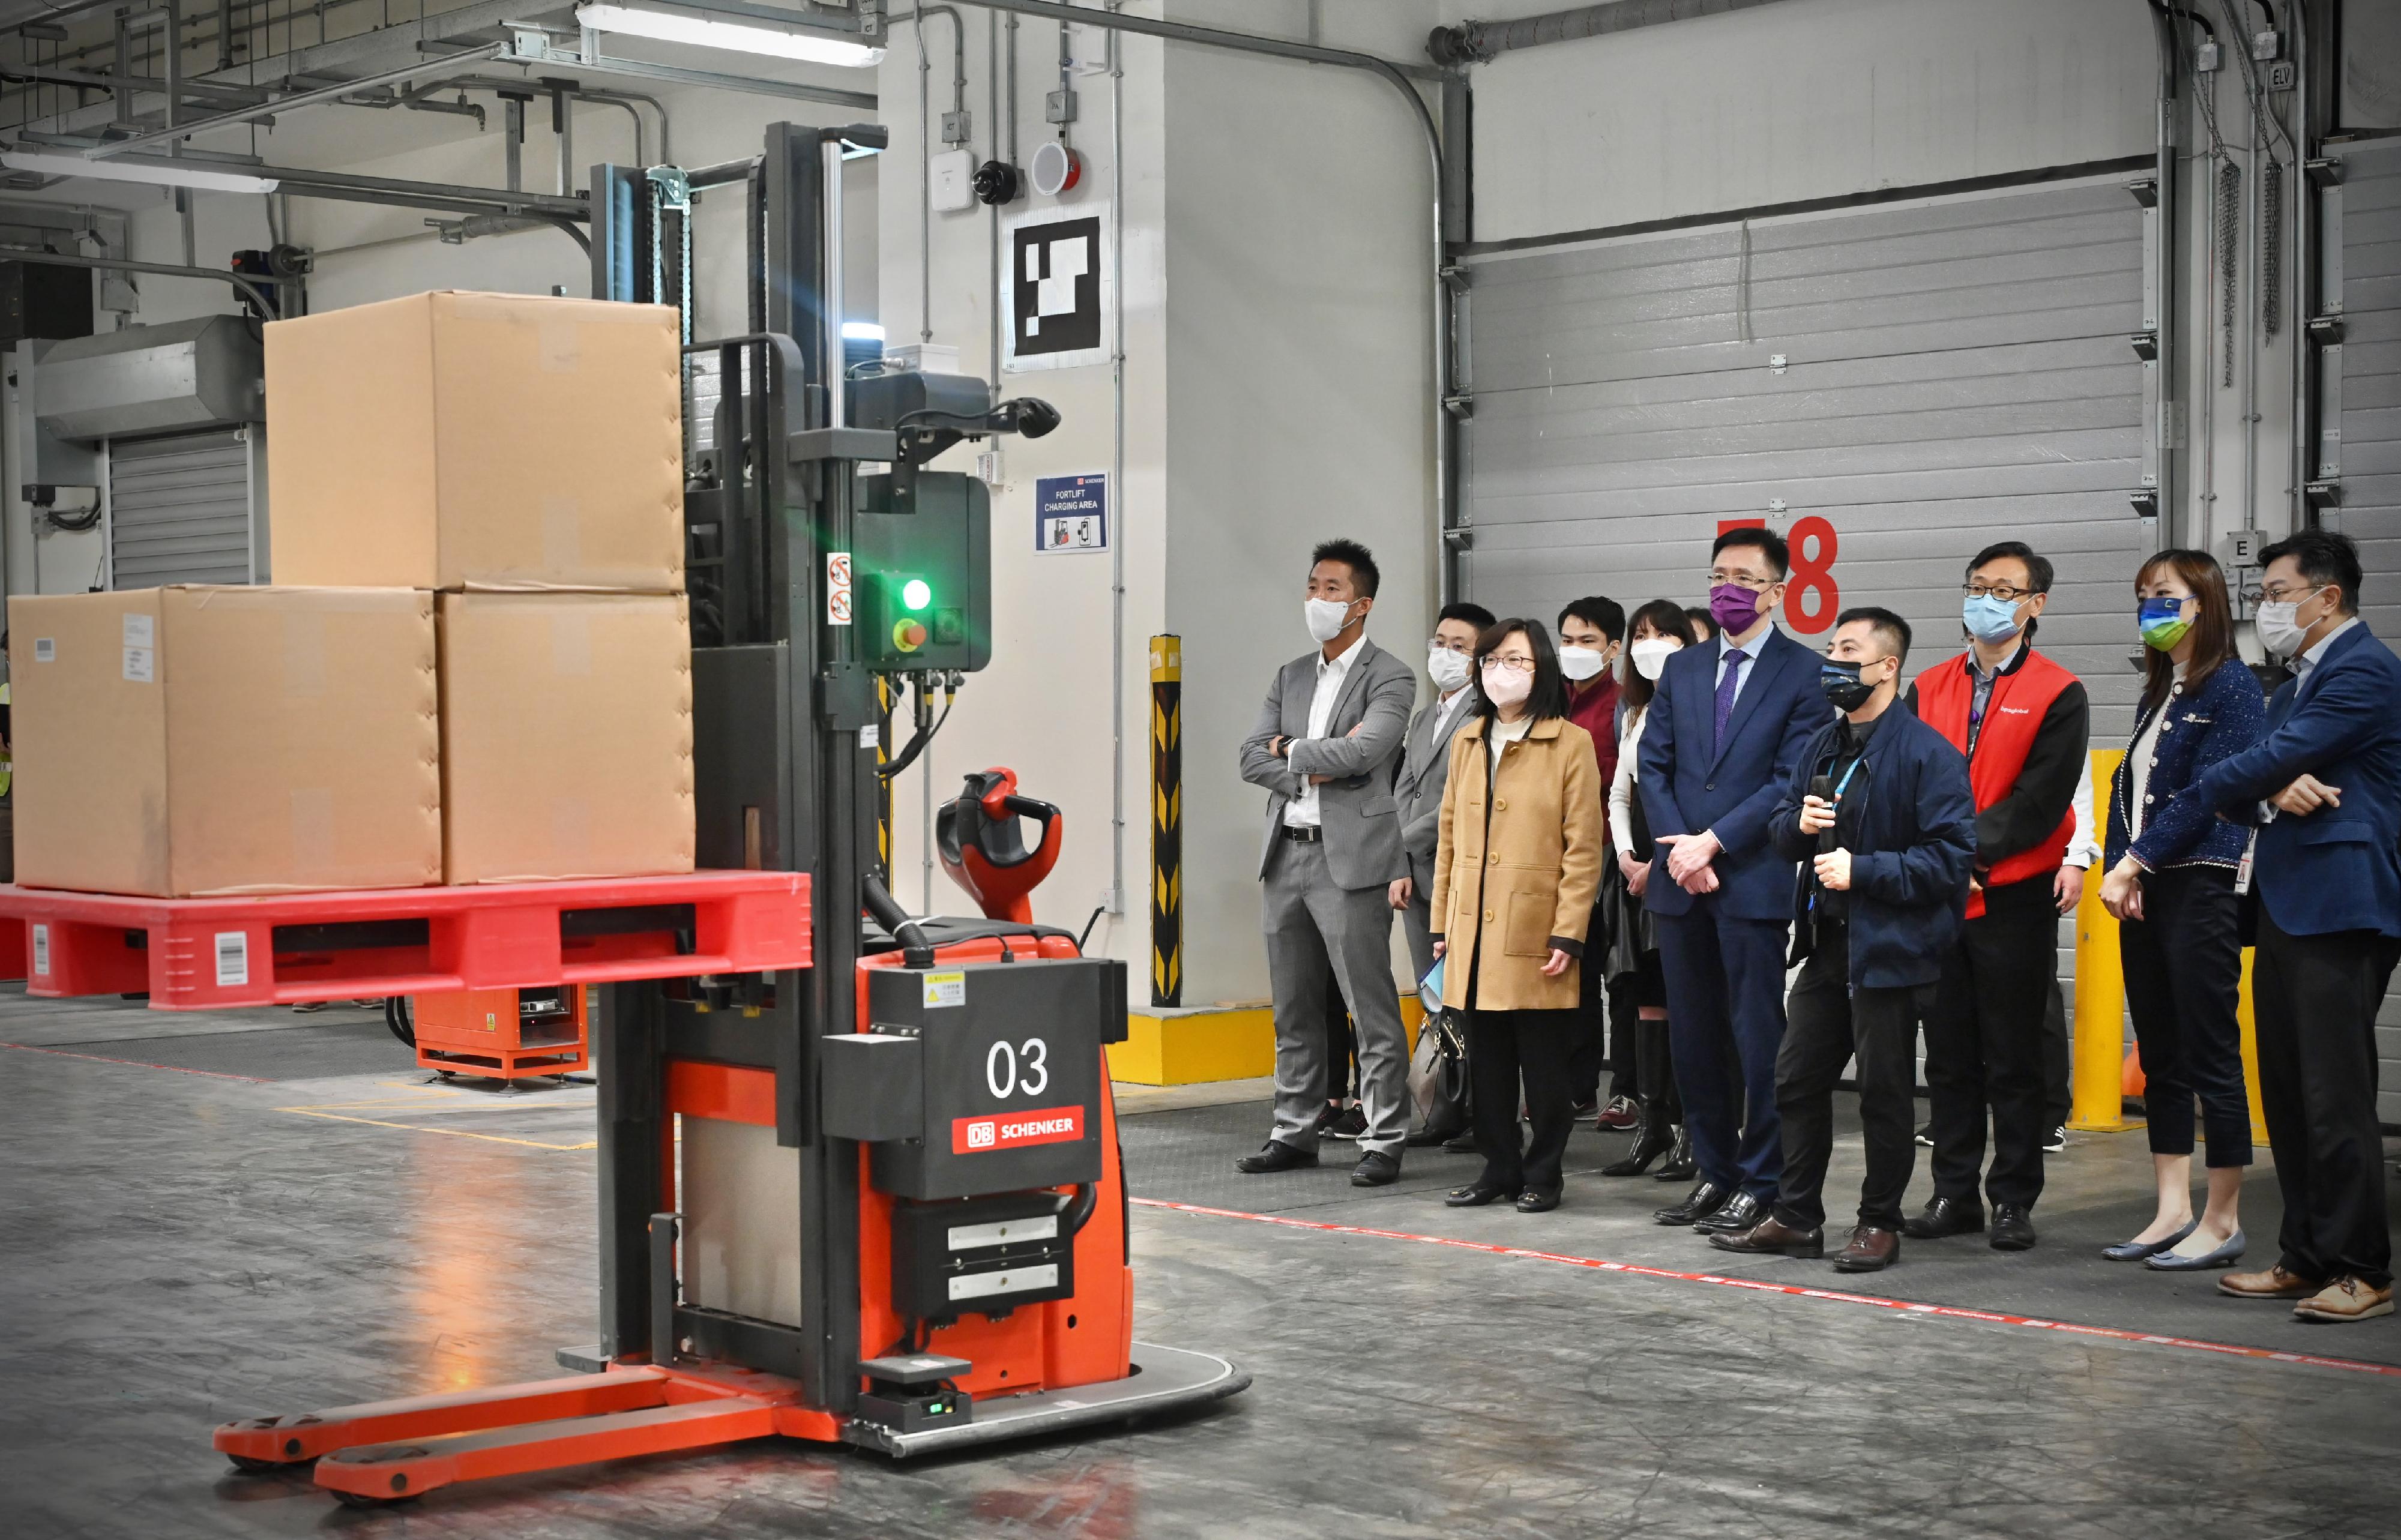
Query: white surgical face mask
{"x": 1506, "y": 687}
{"x": 1325, "y": 618}
{"x": 2279, "y": 632}
{"x": 1649, "y": 655}
{"x": 1447, "y": 669}
{"x": 1581, "y": 663}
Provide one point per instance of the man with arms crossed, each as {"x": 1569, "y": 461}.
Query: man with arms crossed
{"x": 1324, "y": 748}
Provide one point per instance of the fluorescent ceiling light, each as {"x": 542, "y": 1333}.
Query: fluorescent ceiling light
{"x": 806, "y": 44}
{"x": 861, "y": 331}
{"x": 156, "y": 173}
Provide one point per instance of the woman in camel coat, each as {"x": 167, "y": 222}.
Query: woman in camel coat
{"x": 1514, "y": 874}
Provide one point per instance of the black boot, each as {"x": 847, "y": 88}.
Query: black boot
{"x": 1680, "y": 1165}
{"x": 1653, "y": 1139}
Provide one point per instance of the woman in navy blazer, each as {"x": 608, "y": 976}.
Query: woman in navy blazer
{"x": 2171, "y": 884}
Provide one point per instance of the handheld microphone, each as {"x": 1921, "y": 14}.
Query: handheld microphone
{"x": 1822, "y": 788}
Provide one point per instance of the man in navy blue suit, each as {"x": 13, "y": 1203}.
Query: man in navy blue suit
{"x": 1730, "y": 721}
{"x": 2324, "y": 787}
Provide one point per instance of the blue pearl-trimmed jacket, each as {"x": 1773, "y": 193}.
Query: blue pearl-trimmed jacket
{"x": 2227, "y": 715}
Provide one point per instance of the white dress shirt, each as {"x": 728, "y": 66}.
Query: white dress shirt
{"x": 2082, "y": 848}
{"x": 1302, "y": 812}
{"x": 1622, "y": 785}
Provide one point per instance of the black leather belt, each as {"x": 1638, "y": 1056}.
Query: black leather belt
{"x": 1303, "y": 833}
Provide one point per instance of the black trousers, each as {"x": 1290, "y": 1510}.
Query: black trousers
{"x": 2058, "y": 1081}
{"x": 2183, "y": 962}
{"x": 1588, "y": 1054}
{"x": 1507, "y": 1050}
{"x": 1985, "y": 1045}
{"x": 1827, "y": 1022}
{"x": 2315, "y": 997}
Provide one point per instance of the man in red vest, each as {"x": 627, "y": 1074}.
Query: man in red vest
{"x": 2023, "y": 722}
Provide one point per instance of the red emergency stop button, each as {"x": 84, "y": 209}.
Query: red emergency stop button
{"x": 908, "y": 635}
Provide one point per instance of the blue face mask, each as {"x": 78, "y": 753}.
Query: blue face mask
{"x": 1990, "y": 621}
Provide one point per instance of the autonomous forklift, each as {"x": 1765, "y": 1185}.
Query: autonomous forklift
{"x": 875, "y": 1200}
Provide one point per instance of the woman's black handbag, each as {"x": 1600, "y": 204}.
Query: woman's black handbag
{"x": 1438, "y": 1075}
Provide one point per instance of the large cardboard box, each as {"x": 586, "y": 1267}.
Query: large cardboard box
{"x": 565, "y": 736}
{"x": 455, "y": 441}
{"x": 183, "y": 742}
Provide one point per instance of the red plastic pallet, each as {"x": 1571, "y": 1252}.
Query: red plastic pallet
{"x": 198, "y": 953}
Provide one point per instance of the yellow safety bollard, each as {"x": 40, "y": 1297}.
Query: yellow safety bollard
{"x": 2251, "y": 1052}
{"x": 2098, "y": 1102}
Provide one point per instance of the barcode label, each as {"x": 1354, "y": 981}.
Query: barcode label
{"x": 42, "y": 950}
{"x": 233, "y": 959}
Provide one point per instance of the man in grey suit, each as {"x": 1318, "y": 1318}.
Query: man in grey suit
{"x": 1324, "y": 748}
{"x": 1425, "y": 769}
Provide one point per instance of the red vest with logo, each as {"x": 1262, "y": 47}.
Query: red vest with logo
{"x": 2012, "y": 713}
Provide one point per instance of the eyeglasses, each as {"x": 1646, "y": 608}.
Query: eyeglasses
{"x": 1438, "y": 645}
{"x": 2281, "y": 595}
{"x": 1508, "y": 665}
{"x": 2002, "y": 592}
{"x": 1742, "y": 579}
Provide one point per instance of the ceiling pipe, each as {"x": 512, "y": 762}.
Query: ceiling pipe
{"x": 1479, "y": 42}
{"x": 1400, "y": 77}
{"x": 119, "y": 265}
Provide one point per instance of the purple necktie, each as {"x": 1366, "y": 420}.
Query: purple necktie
{"x": 1726, "y": 687}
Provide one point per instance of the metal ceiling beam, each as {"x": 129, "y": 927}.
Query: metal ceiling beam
{"x": 289, "y": 103}
{"x": 1477, "y": 42}
{"x": 533, "y": 49}
{"x": 51, "y": 74}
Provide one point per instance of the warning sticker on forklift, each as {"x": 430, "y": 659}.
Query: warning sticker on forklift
{"x": 233, "y": 959}
{"x": 42, "y": 950}
{"x": 946, "y": 990}
{"x": 1014, "y": 1130}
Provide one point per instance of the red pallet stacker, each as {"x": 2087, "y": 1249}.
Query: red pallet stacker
{"x": 859, "y": 1183}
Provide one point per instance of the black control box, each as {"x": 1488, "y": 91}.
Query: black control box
{"x": 980, "y": 1255}
{"x": 1001, "y": 1092}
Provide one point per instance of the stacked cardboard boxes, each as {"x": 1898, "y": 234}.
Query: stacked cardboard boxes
{"x": 476, "y": 668}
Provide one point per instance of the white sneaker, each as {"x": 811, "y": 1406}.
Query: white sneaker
{"x": 2057, "y": 1141}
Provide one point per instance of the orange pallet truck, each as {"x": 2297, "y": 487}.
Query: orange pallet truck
{"x": 876, "y": 1200}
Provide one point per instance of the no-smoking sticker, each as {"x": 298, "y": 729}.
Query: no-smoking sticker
{"x": 837, "y": 588}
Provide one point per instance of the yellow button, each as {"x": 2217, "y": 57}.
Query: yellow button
{"x": 1488, "y": 915}
{"x": 1493, "y": 860}
{"x": 1499, "y": 804}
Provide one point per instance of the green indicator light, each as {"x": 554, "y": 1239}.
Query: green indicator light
{"x": 916, "y": 593}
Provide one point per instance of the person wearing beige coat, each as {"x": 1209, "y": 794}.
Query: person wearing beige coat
{"x": 1517, "y": 865}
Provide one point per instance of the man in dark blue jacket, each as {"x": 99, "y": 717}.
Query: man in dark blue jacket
{"x": 2324, "y": 787}
{"x": 1720, "y": 742}
{"x": 1880, "y": 807}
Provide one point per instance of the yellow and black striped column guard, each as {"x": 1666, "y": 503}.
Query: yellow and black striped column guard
{"x": 1167, "y": 821}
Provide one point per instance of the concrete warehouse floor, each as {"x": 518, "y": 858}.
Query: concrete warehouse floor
{"x": 209, "y": 1218}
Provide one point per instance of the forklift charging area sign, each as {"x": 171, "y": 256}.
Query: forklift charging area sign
{"x": 1071, "y": 514}
{"x": 1015, "y": 1130}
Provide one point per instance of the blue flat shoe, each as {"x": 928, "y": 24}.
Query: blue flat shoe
{"x": 2225, "y": 1255}
{"x": 2135, "y": 1251}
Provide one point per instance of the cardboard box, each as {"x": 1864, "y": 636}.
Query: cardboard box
{"x": 565, "y": 736}
{"x": 185, "y": 742}
{"x": 458, "y": 441}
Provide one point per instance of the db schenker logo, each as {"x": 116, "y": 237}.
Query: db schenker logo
{"x": 1012, "y": 1130}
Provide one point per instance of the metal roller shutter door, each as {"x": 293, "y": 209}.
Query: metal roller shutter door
{"x": 1909, "y": 383}
{"x": 2367, "y": 456}
{"x": 179, "y": 510}
{"x": 1916, "y": 379}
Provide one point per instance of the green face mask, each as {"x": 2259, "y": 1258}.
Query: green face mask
{"x": 2162, "y": 623}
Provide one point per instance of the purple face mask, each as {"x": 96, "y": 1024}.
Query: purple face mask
{"x": 1734, "y": 607}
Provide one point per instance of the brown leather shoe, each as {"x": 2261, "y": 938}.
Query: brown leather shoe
{"x": 2346, "y": 1299}
{"x": 1869, "y": 1250}
{"x": 2277, "y": 1283}
{"x": 1772, "y": 1236}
